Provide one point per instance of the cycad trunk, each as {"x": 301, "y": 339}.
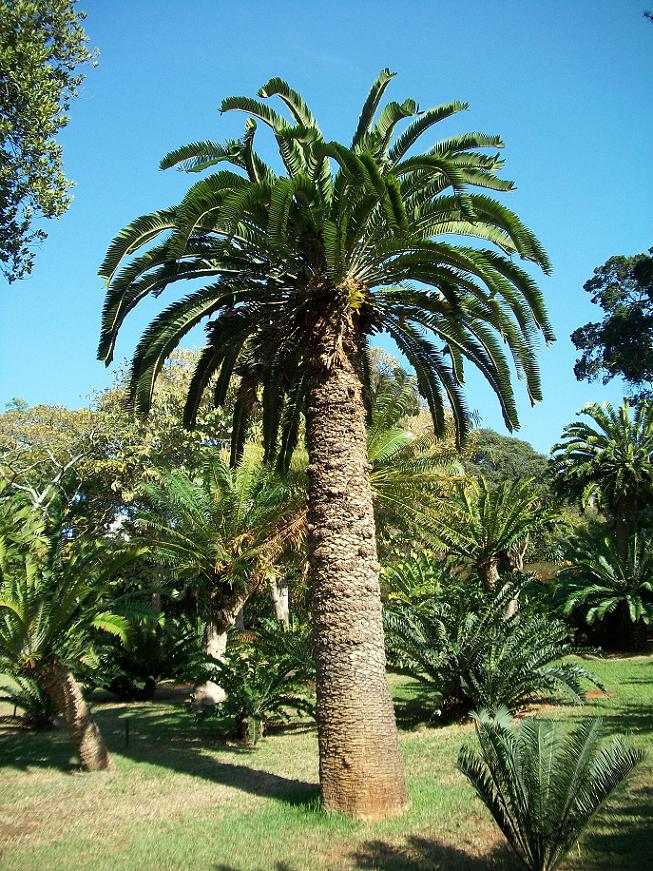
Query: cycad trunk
{"x": 488, "y": 572}
{"x": 624, "y": 521}
{"x": 67, "y": 694}
{"x": 361, "y": 768}
{"x": 279, "y": 592}
{"x": 226, "y": 604}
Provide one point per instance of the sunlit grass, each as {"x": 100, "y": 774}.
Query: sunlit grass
{"x": 179, "y": 798}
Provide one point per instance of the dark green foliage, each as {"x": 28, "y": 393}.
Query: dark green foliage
{"x": 501, "y": 458}
{"x": 609, "y": 459}
{"x": 265, "y": 683}
{"x": 622, "y": 343}
{"x": 42, "y": 47}
{"x": 542, "y": 786}
{"x": 357, "y": 236}
{"x": 29, "y": 695}
{"x": 158, "y": 649}
{"x": 609, "y": 592}
{"x": 464, "y": 648}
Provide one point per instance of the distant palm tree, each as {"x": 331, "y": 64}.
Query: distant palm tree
{"x": 610, "y": 590}
{"x": 487, "y": 523}
{"x": 50, "y": 599}
{"x": 609, "y": 461}
{"x": 298, "y": 271}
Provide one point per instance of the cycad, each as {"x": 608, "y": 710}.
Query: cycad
{"x": 609, "y": 461}
{"x": 297, "y": 272}
{"x": 462, "y": 647}
{"x": 486, "y": 522}
{"x": 221, "y": 534}
{"x": 51, "y": 598}
{"x": 543, "y": 786}
{"x": 28, "y": 694}
{"x": 605, "y": 588}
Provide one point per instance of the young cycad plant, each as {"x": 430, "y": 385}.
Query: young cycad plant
{"x": 542, "y": 786}
{"x": 27, "y": 694}
{"x": 607, "y": 588}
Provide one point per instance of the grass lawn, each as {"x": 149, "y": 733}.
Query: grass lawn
{"x": 178, "y": 798}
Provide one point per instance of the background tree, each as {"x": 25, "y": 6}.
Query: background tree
{"x": 622, "y": 343}
{"x": 609, "y": 462}
{"x": 42, "y": 47}
{"x": 302, "y": 269}
{"x": 500, "y": 458}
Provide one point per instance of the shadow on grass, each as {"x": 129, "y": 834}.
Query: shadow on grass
{"x": 427, "y": 854}
{"x": 622, "y": 838}
{"x": 167, "y": 738}
{"x": 416, "y": 854}
{"x": 179, "y": 743}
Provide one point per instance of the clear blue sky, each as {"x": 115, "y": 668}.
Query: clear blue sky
{"x": 567, "y": 83}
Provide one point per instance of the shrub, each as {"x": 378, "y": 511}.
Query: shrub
{"x": 471, "y": 655}
{"x": 543, "y": 787}
{"x": 29, "y": 694}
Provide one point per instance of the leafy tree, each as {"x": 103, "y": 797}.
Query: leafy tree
{"x": 50, "y": 600}
{"x": 622, "y": 343}
{"x": 486, "y": 525}
{"x": 462, "y": 647}
{"x": 298, "y": 271}
{"x": 42, "y": 48}
{"x": 609, "y": 462}
{"x": 607, "y": 589}
{"x": 543, "y": 787}
{"x": 501, "y": 458}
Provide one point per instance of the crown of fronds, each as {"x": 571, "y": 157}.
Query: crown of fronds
{"x": 361, "y": 234}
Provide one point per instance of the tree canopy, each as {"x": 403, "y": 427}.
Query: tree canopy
{"x": 42, "y": 47}
{"x": 622, "y": 343}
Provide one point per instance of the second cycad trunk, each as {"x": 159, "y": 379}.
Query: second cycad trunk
{"x": 361, "y": 768}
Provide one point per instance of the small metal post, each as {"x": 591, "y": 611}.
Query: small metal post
{"x": 127, "y": 733}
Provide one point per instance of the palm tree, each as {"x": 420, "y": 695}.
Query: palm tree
{"x": 610, "y": 462}
{"x": 50, "y": 600}
{"x": 543, "y": 787}
{"x": 222, "y": 534}
{"x": 298, "y": 270}
{"x": 487, "y": 524}
{"x": 610, "y": 590}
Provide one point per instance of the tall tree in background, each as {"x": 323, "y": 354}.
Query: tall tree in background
{"x": 609, "y": 461}
{"x": 42, "y": 47}
{"x": 298, "y": 271}
{"x": 622, "y": 343}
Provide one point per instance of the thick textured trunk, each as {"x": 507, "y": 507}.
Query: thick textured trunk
{"x": 67, "y": 694}
{"x": 488, "y": 572}
{"x": 279, "y": 591}
{"x": 361, "y": 768}
{"x": 624, "y": 522}
{"x": 226, "y": 605}
{"x": 515, "y": 557}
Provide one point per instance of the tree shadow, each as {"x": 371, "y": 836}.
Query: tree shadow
{"x": 429, "y": 854}
{"x": 622, "y": 836}
{"x": 187, "y": 747}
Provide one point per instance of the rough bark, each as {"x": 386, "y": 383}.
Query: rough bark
{"x": 67, "y": 694}
{"x": 624, "y": 522}
{"x": 361, "y": 768}
{"x": 488, "y": 572}
{"x": 279, "y": 592}
{"x": 226, "y": 605}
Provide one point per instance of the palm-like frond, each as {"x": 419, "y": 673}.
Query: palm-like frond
{"x": 359, "y": 232}
{"x": 541, "y": 786}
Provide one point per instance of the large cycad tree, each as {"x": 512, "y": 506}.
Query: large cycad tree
{"x": 608, "y": 460}
{"x": 298, "y": 270}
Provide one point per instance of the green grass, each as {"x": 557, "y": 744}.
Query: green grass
{"x": 179, "y": 798}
